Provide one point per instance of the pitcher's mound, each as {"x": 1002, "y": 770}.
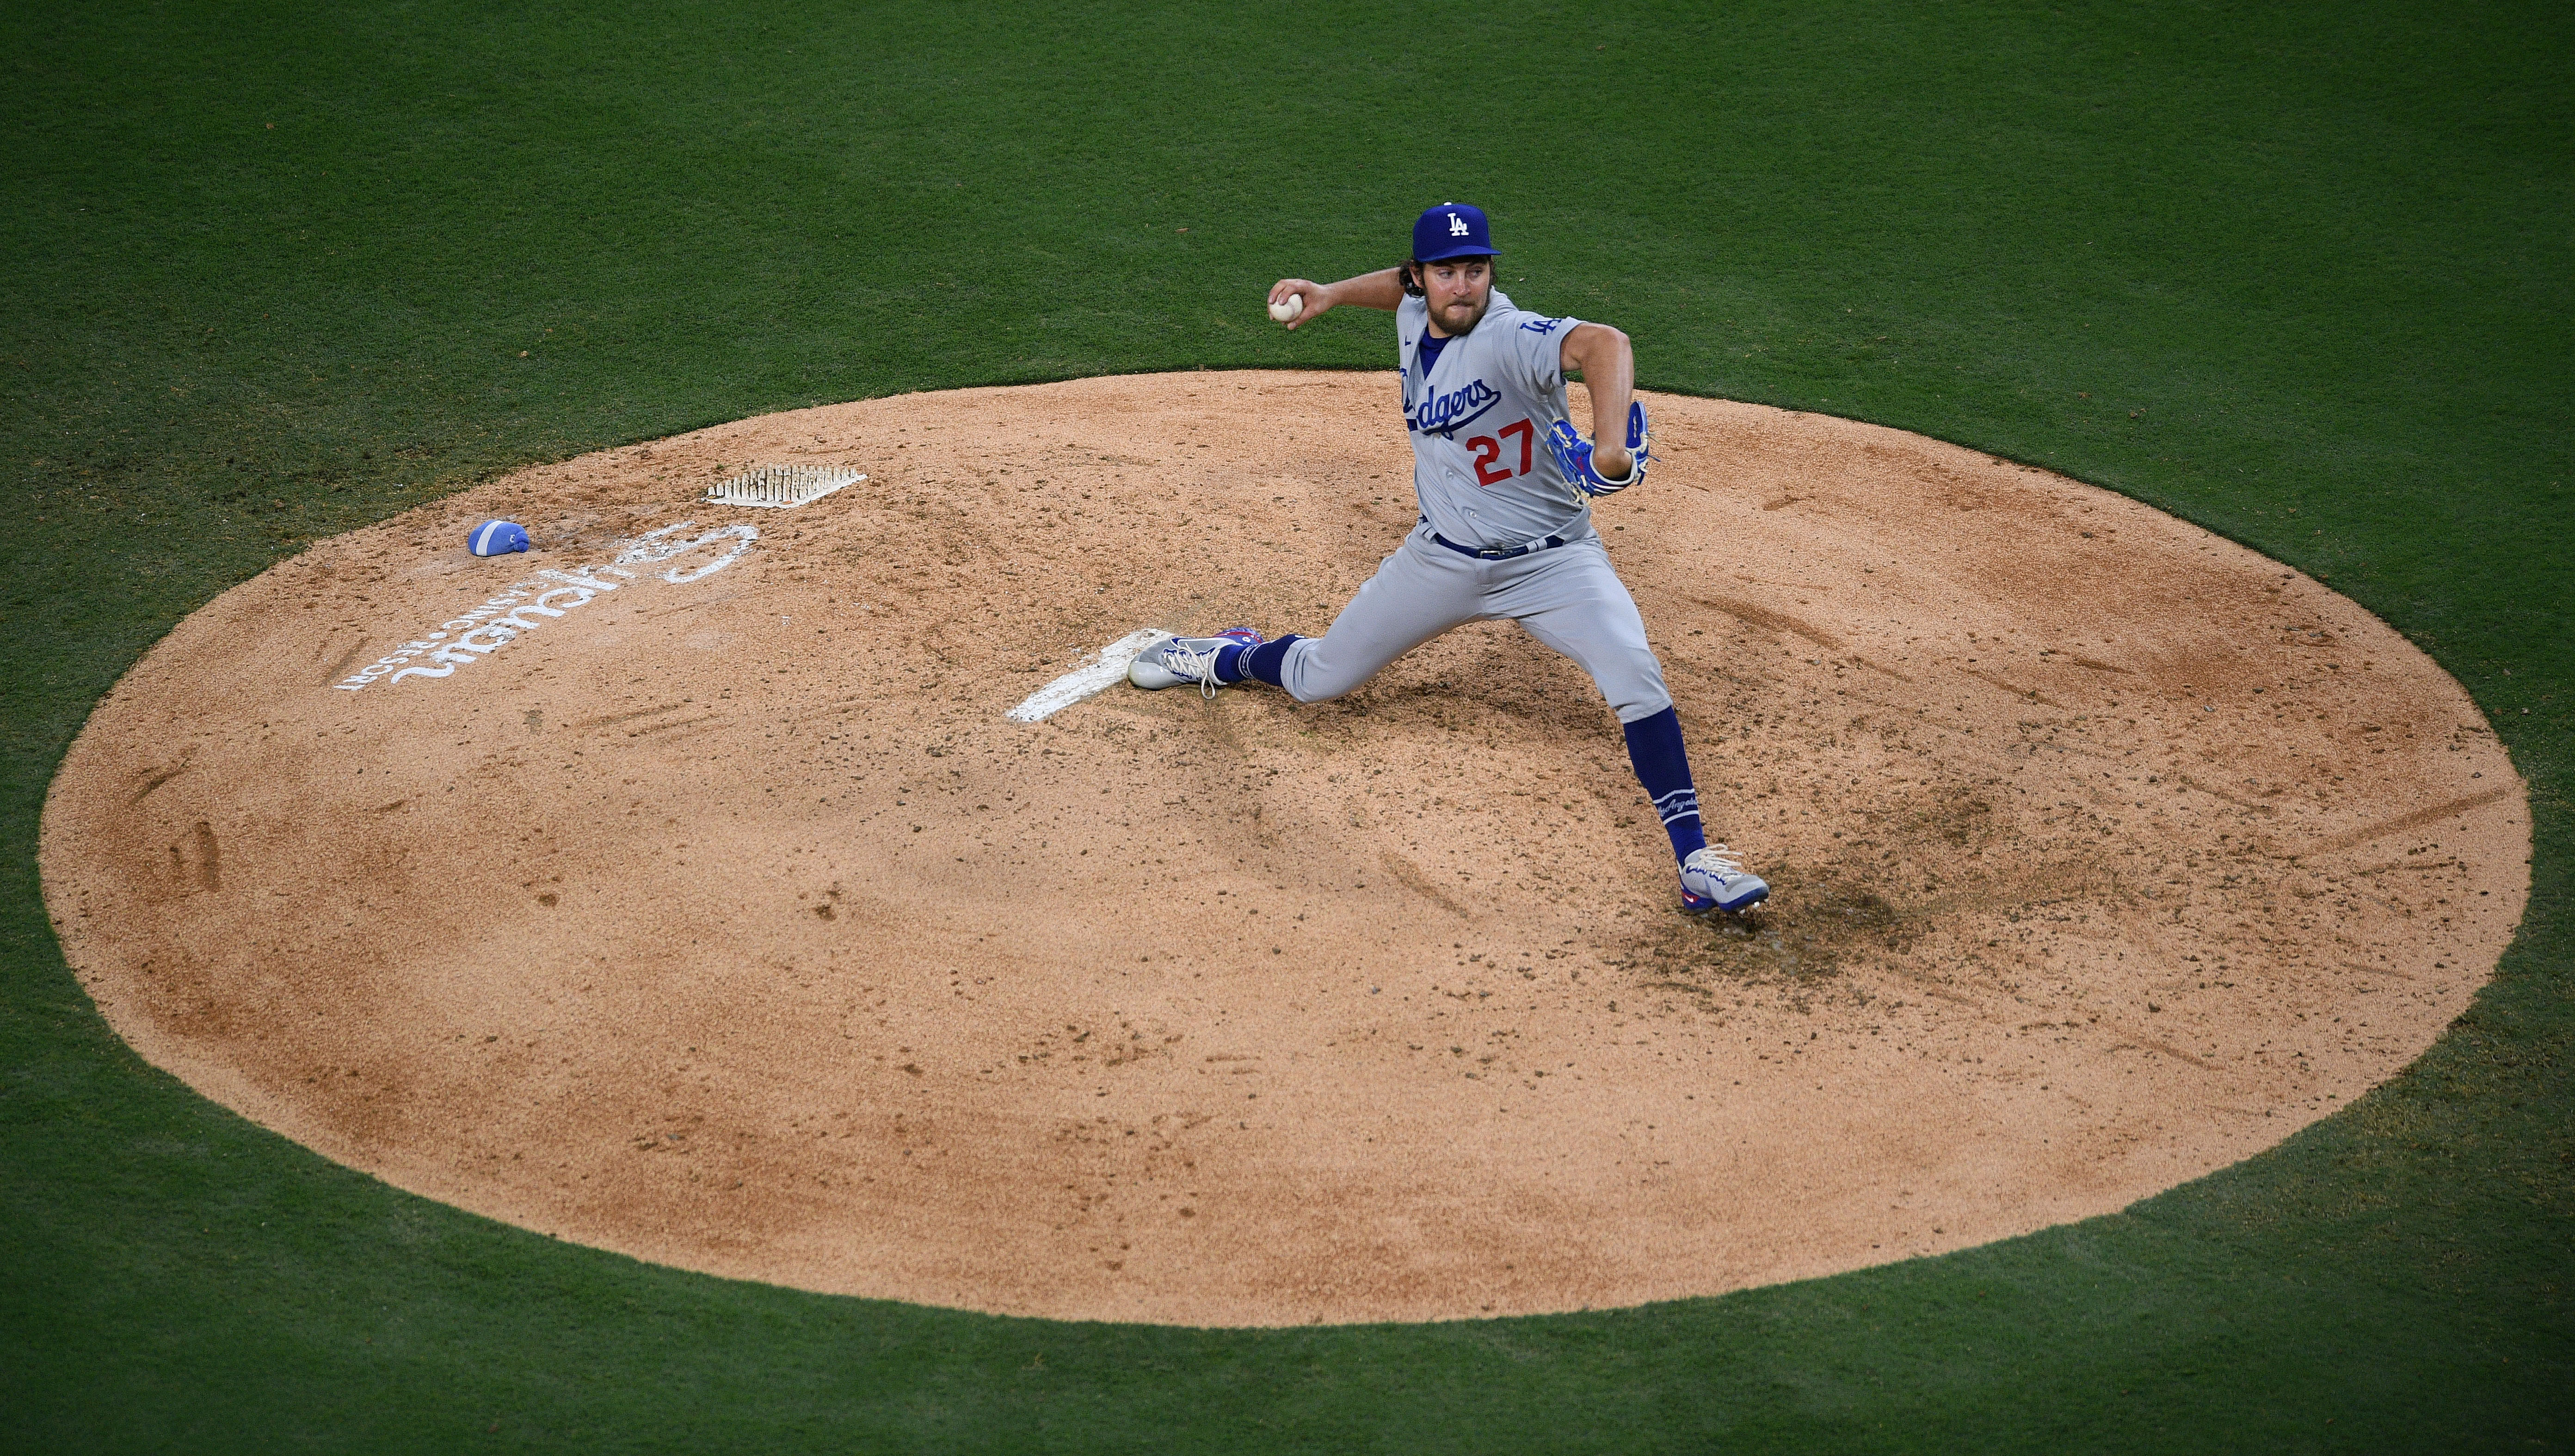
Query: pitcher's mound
{"x": 690, "y": 894}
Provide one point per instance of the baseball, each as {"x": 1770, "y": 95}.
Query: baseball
{"x": 1287, "y": 309}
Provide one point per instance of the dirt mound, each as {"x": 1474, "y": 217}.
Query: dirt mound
{"x": 682, "y": 889}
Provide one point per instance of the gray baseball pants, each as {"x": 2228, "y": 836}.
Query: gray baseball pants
{"x": 1567, "y": 596}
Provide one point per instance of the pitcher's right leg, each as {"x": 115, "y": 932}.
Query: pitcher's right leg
{"x": 1413, "y": 598}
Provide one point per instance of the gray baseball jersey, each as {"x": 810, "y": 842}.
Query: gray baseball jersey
{"x": 1485, "y": 480}
{"x": 1479, "y": 417}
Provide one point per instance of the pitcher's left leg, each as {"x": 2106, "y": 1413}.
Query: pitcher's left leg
{"x": 1579, "y": 607}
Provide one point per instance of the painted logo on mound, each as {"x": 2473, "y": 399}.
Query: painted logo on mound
{"x": 547, "y": 596}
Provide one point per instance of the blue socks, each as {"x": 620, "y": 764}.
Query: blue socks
{"x": 1662, "y": 765}
{"x": 1261, "y": 663}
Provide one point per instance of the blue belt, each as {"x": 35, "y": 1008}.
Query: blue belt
{"x": 1497, "y": 552}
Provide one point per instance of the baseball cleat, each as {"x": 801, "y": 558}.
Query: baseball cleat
{"x": 1712, "y": 880}
{"x": 1177, "y": 659}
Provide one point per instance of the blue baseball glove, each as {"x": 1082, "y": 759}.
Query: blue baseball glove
{"x": 1573, "y": 453}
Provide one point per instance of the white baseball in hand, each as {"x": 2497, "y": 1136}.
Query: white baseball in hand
{"x": 1287, "y": 309}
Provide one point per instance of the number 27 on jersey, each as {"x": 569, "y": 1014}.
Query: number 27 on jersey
{"x": 1490, "y": 468}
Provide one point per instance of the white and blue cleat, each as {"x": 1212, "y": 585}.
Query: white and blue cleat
{"x": 1173, "y": 661}
{"x": 1713, "y": 879}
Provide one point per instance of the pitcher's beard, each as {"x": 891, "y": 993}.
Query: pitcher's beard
{"x": 1447, "y": 319}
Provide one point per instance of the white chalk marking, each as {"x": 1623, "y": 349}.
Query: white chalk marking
{"x": 1083, "y": 681}
{"x": 782, "y": 484}
{"x": 500, "y": 618}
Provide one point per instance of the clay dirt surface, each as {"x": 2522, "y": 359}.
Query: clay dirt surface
{"x": 709, "y": 908}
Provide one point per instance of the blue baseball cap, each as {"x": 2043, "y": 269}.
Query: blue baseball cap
{"x": 496, "y": 538}
{"x": 1452, "y": 229}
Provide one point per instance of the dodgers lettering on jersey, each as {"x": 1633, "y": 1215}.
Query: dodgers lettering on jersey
{"x": 1439, "y": 414}
{"x": 1478, "y": 418}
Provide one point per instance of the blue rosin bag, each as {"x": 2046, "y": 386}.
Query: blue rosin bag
{"x": 496, "y": 538}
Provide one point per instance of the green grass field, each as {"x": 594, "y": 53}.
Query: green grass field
{"x": 274, "y": 272}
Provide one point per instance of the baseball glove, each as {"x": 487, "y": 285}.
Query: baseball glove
{"x": 1573, "y": 453}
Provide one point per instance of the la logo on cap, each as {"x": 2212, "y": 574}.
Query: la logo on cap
{"x": 1456, "y": 226}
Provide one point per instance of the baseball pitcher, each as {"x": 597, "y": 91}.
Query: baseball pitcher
{"x": 1504, "y": 484}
